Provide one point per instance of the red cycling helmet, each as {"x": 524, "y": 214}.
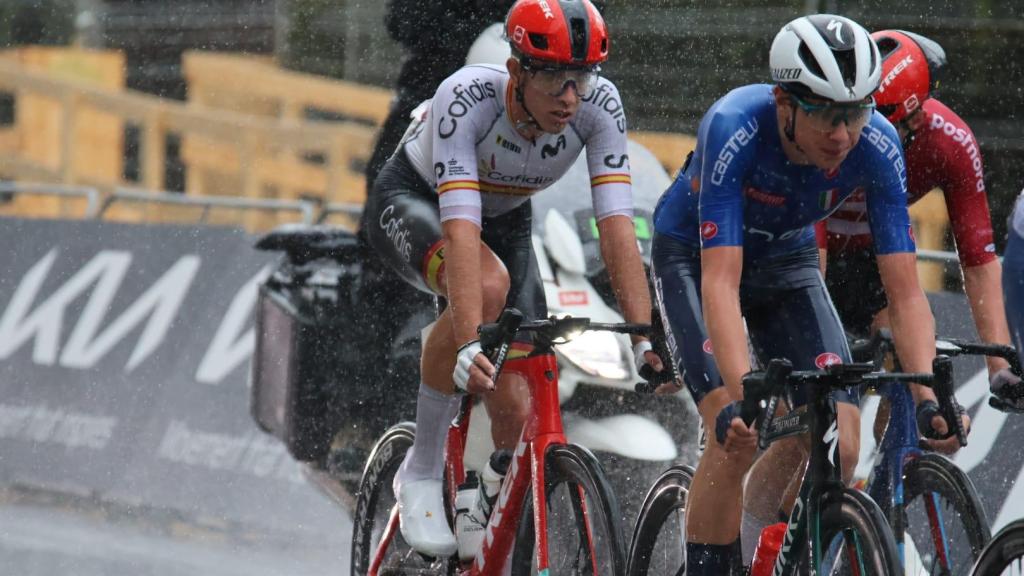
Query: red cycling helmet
{"x": 562, "y": 32}
{"x": 910, "y": 66}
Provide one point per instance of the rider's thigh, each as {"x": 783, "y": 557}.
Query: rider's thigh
{"x": 494, "y": 281}
{"x": 508, "y": 407}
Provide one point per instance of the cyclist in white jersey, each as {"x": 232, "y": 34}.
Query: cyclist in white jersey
{"x": 450, "y": 213}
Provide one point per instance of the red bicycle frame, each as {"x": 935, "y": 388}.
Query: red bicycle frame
{"x": 543, "y": 429}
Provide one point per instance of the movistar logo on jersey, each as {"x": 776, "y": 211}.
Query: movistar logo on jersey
{"x": 510, "y": 146}
{"x": 464, "y": 98}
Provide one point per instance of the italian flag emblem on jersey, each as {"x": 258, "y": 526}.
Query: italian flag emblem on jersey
{"x": 828, "y": 199}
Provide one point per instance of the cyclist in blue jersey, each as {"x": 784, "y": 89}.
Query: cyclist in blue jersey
{"x": 734, "y": 240}
{"x": 1013, "y": 292}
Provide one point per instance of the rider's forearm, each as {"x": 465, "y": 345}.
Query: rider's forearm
{"x": 913, "y": 330}
{"x": 913, "y": 327}
{"x": 983, "y": 285}
{"x": 462, "y": 275}
{"x": 625, "y": 268}
{"x": 720, "y": 294}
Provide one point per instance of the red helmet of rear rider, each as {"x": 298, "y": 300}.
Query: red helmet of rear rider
{"x": 910, "y": 69}
{"x": 563, "y": 32}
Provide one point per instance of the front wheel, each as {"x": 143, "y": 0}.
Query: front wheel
{"x": 855, "y": 537}
{"x": 375, "y": 524}
{"x": 583, "y": 535}
{"x": 659, "y": 541}
{"x": 946, "y": 527}
{"x": 1004, "y": 555}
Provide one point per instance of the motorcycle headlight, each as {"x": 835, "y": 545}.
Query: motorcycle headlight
{"x": 597, "y": 354}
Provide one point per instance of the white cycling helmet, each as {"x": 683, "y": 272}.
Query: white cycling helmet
{"x": 827, "y": 56}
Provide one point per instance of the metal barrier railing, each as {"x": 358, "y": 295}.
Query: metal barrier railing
{"x": 306, "y": 208}
{"x": 91, "y": 195}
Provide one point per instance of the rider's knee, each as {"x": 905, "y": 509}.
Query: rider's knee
{"x": 495, "y": 292}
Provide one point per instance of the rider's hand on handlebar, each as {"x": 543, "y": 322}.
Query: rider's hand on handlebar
{"x": 935, "y": 431}
{"x": 732, "y": 433}
{"x": 1004, "y": 377}
{"x": 649, "y": 364}
{"x": 473, "y": 373}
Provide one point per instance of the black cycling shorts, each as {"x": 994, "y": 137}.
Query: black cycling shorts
{"x": 783, "y": 300}
{"x": 856, "y": 288}
{"x": 402, "y": 224}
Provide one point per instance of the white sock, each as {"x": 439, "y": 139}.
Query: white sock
{"x": 434, "y": 412}
{"x": 750, "y": 532}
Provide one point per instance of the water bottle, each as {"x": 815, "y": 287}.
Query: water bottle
{"x": 493, "y": 475}
{"x": 473, "y": 510}
{"x": 768, "y": 546}
{"x": 469, "y": 531}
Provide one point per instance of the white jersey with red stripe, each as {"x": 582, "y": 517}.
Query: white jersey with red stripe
{"x": 463, "y": 143}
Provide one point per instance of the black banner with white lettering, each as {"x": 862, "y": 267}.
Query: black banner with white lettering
{"x": 124, "y": 356}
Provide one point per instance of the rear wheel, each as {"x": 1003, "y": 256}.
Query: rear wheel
{"x": 583, "y": 535}
{"x": 856, "y": 539}
{"x": 1004, "y": 555}
{"x": 946, "y": 528}
{"x": 659, "y": 539}
{"x": 374, "y": 507}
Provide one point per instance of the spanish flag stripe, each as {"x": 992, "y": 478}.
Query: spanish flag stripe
{"x": 458, "y": 185}
{"x": 610, "y": 179}
{"x": 496, "y": 189}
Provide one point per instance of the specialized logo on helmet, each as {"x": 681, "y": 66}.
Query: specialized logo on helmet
{"x": 903, "y": 64}
{"x": 826, "y": 359}
{"x": 786, "y": 74}
{"x": 708, "y": 230}
{"x": 547, "y": 10}
{"x": 707, "y": 347}
{"x": 837, "y": 27}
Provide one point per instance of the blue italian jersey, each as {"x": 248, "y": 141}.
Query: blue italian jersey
{"x": 739, "y": 189}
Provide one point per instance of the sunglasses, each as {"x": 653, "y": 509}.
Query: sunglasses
{"x": 555, "y": 81}
{"x": 826, "y": 117}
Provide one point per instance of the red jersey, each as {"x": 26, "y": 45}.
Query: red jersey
{"x": 943, "y": 154}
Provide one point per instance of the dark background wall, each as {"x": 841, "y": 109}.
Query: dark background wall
{"x": 670, "y": 58}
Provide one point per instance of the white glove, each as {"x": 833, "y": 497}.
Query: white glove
{"x": 464, "y": 360}
{"x": 638, "y": 354}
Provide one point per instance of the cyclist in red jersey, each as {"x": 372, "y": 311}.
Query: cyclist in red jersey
{"x": 941, "y": 152}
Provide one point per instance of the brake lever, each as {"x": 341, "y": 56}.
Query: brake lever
{"x": 497, "y": 341}
{"x": 944, "y": 392}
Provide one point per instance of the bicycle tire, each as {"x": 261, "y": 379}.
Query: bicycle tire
{"x": 849, "y": 512}
{"x": 666, "y": 499}
{"x": 933, "y": 473}
{"x": 374, "y": 502}
{"x": 1005, "y": 550}
{"x": 573, "y": 466}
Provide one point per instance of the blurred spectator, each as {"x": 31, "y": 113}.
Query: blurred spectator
{"x": 436, "y": 37}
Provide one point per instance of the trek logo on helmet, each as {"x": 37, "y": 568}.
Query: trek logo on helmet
{"x": 900, "y": 67}
{"x": 547, "y": 10}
